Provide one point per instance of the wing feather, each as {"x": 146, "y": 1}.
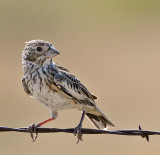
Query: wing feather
{"x": 71, "y": 86}
{"x": 26, "y": 87}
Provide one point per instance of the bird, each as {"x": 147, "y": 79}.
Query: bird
{"x": 57, "y": 88}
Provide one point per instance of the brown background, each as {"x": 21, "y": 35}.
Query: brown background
{"x": 111, "y": 46}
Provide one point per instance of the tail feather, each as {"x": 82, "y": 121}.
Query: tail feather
{"x": 99, "y": 120}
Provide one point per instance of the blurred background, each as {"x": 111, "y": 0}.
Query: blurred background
{"x": 111, "y": 46}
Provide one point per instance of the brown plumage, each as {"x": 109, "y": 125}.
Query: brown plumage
{"x": 54, "y": 86}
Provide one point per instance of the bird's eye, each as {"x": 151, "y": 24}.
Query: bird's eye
{"x": 39, "y": 49}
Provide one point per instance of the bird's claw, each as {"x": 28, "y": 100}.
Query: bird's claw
{"x": 78, "y": 133}
{"x": 33, "y": 131}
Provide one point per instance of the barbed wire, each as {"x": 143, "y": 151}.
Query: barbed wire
{"x": 139, "y": 132}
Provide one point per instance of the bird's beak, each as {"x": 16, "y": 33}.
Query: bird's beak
{"x": 52, "y": 52}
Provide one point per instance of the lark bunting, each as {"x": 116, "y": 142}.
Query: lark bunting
{"x": 57, "y": 88}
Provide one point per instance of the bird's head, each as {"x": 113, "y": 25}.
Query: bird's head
{"x": 39, "y": 51}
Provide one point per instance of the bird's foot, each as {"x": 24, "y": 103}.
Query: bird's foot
{"x": 33, "y": 131}
{"x": 78, "y": 133}
{"x": 33, "y": 128}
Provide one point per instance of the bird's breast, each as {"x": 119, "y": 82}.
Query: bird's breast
{"x": 43, "y": 89}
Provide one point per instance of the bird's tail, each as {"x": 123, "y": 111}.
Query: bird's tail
{"x": 99, "y": 119}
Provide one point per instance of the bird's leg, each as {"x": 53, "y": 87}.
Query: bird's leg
{"x": 33, "y": 128}
{"x": 77, "y": 130}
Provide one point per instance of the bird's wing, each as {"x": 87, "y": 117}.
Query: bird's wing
{"x": 72, "y": 87}
{"x": 26, "y": 87}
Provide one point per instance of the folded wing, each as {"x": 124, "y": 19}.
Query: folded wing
{"x": 72, "y": 87}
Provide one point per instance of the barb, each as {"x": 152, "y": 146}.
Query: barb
{"x": 140, "y": 132}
